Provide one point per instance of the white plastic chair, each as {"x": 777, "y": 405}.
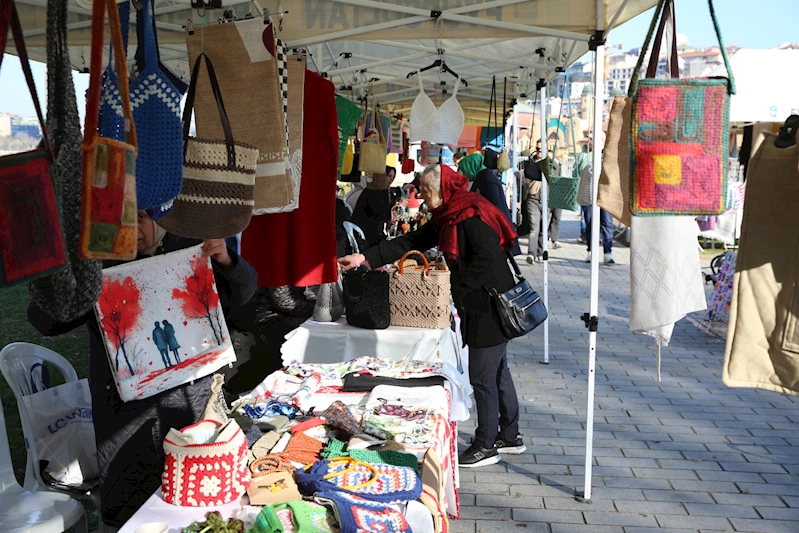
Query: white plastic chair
{"x": 33, "y": 511}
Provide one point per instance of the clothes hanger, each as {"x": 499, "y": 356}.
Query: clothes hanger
{"x": 787, "y": 135}
{"x": 442, "y": 64}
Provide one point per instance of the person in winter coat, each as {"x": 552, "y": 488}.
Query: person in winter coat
{"x": 373, "y": 211}
{"x": 130, "y": 436}
{"x": 474, "y": 237}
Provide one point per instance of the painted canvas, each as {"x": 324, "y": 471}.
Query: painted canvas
{"x": 162, "y": 323}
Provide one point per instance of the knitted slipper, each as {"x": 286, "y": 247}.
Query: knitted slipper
{"x": 265, "y": 444}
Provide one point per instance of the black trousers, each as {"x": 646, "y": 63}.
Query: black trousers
{"x": 494, "y": 394}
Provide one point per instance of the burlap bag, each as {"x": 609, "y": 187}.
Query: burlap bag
{"x": 248, "y": 77}
{"x": 613, "y": 192}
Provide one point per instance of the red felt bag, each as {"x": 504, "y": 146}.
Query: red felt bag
{"x": 31, "y": 242}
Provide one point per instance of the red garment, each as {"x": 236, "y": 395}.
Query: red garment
{"x": 460, "y": 204}
{"x": 299, "y": 248}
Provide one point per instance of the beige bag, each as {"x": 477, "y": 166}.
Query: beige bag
{"x": 763, "y": 338}
{"x": 373, "y": 149}
{"x": 420, "y": 297}
{"x": 613, "y": 192}
{"x": 503, "y": 161}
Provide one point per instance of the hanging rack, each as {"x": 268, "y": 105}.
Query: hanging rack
{"x": 442, "y": 64}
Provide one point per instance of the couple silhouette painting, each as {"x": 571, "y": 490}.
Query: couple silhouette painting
{"x": 164, "y": 338}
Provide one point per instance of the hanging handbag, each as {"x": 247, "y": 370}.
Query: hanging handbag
{"x": 680, "y": 136}
{"x": 218, "y": 192}
{"x": 349, "y": 157}
{"x": 503, "y": 161}
{"x": 521, "y": 309}
{"x": 206, "y": 464}
{"x": 563, "y": 193}
{"x": 373, "y": 149}
{"x": 348, "y": 114}
{"x": 491, "y": 157}
{"x": 109, "y": 229}
{"x": 420, "y": 296}
{"x": 31, "y": 241}
{"x": 366, "y": 298}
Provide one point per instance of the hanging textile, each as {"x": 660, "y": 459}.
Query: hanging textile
{"x": 70, "y": 293}
{"x": 348, "y": 113}
{"x": 243, "y": 63}
{"x": 299, "y": 248}
{"x": 763, "y": 339}
{"x": 665, "y": 276}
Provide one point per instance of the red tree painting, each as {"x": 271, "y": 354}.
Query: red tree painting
{"x": 119, "y": 304}
{"x": 200, "y": 300}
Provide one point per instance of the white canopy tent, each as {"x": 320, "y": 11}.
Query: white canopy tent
{"x": 374, "y": 45}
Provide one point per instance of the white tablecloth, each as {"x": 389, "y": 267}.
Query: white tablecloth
{"x": 335, "y": 342}
{"x": 157, "y": 510}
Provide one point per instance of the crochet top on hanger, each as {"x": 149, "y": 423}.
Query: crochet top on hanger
{"x": 443, "y": 125}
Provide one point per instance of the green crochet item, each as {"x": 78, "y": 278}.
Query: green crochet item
{"x": 307, "y": 517}
{"x": 336, "y": 448}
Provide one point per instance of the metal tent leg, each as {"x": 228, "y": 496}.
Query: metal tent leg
{"x": 545, "y": 215}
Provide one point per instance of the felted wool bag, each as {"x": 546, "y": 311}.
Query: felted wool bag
{"x": 218, "y": 192}
{"x": 108, "y": 211}
{"x": 358, "y": 515}
{"x": 206, "y": 464}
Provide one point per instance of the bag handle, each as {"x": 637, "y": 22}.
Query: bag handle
{"x": 515, "y": 266}
{"x": 413, "y": 252}
{"x": 8, "y": 14}
{"x": 187, "y": 111}
{"x": 658, "y": 13}
{"x": 654, "y": 57}
{"x": 45, "y": 377}
{"x": 490, "y": 105}
{"x": 99, "y": 9}
{"x": 145, "y": 18}
{"x": 378, "y": 123}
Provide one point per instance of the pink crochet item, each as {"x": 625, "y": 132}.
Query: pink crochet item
{"x": 201, "y": 474}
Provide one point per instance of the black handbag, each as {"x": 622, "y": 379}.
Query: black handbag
{"x": 520, "y": 309}
{"x": 366, "y": 301}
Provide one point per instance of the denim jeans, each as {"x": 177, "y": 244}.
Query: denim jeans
{"x": 605, "y": 229}
{"x": 494, "y": 395}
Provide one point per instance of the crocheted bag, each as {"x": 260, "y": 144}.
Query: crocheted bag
{"x": 218, "y": 192}
{"x": 339, "y": 415}
{"x": 563, "y": 192}
{"x": 31, "y": 242}
{"x": 295, "y": 517}
{"x": 680, "y": 136}
{"x": 357, "y": 515}
{"x": 205, "y": 474}
{"x": 108, "y": 210}
{"x": 394, "y": 484}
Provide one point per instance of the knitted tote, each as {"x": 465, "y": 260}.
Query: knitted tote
{"x": 395, "y": 484}
{"x": 357, "y": 515}
{"x": 70, "y": 293}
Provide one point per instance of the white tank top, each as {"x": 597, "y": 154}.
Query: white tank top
{"x": 443, "y": 125}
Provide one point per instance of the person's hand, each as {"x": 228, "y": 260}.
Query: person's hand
{"x": 216, "y": 249}
{"x": 351, "y": 261}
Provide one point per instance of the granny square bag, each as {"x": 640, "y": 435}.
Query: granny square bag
{"x": 218, "y": 192}
{"x": 108, "y": 209}
{"x": 680, "y": 136}
{"x": 31, "y": 242}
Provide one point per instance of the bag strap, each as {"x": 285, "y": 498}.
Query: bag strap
{"x": 378, "y": 122}
{"x": 45, "y": 377}
{"x": 654, "y": 57}
{"x": 99, "y": 10}
{"x": 145, "y": 20}
{"x": 504, "y": 108}
{"x": 658, "y": 14}
{"x": 515, "y": 266}
{"x": 9, "y": 15}
{"x": 187, "y": 111}
{"x": 490, "y": 105}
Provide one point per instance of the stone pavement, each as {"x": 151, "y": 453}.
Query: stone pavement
{"x": 682, "y": 455}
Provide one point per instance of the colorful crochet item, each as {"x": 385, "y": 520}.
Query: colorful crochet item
{"x": 335, "y": 448}
{"x": 340, "y": 416}
{"x": 302, "y": 449}
{"x": 357, "y": 515}
{"x": 270, "y": 464}
{"x": 394, "y": 484}
{"x": 295, "y": 517}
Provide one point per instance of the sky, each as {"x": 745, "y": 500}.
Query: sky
{"x": 748, "y": 24}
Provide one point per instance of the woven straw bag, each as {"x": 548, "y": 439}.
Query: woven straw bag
{"x": 206, "y": 474}
{"x": 420, "y": 297}
{"x": 218, "y": 192}
{"x": 373, "y": 150}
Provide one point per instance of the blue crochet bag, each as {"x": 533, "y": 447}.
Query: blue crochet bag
{"x": 395, "y": 484}
{"x": 357, "y": 515}
{"x": 155, "y": 101}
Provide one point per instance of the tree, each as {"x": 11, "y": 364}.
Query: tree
{"x": 119, "y": 305}
{"x": 200, "y": 299}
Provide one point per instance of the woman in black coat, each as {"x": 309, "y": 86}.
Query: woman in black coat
{"x": 130, "y": 436}
{"x": 474, "y": 236}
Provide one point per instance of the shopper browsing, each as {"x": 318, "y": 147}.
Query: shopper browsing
{"x": 474, "y": 236}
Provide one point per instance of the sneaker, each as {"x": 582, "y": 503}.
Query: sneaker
{"x": 556, "y": 245}
{"x": 588, "y": 259}
{"x": 609, "y": 259}
{"x": 581, "y": 238}
{"x": 476, "y": 456}
{"x": 530, "y": 260}
{"x": 511, "y": 446}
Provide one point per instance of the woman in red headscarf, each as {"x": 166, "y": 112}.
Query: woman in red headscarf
{"x": 474, "y": 236}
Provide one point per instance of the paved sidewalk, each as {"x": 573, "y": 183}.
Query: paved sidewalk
{"x": 682, "y": 455}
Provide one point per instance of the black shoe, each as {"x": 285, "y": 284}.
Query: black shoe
{"x": 476, "y": 456}
{"x": 510, "y": 446}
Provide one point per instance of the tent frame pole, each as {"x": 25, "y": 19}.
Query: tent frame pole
{"x": 591, "y": 318}
{"x": 542, "y": 86}
{"x": 515, "y": 165}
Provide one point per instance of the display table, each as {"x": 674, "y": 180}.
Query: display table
{"x": 335, "y": 342}
{"x": 157, "y": 510}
